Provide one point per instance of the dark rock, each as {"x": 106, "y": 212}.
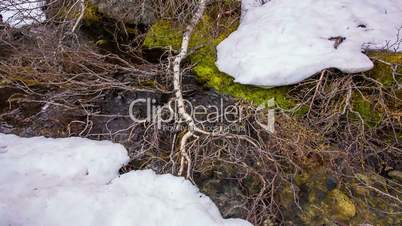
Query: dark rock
{"x": 226, "y": 195}
{"x": 331, "y": 183}
{"x": 127, "y": 11}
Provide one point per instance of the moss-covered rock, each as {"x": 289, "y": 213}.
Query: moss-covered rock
{"x": 384, "y": 61}
{"x": 365, "y": 103}
{"x": 105, "y": 32}
{"x": 324, "y": 201}
{"x": 342, "y": 206}
{"x": 91, "y": 14}
{"x": 373, "y": 207}
{"x": 163, "y": 35}
{"x": 167, "y": 34}
{"x": 366, "y": 109}
{"x": 60, "y": 11}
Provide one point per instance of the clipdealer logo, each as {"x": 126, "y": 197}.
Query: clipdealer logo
{"x": 221, "y": 114}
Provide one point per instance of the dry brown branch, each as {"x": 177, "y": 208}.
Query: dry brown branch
{"x": 81, "y": 16}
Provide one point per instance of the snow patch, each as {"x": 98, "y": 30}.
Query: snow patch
{"x": 249, "y": 4}
{"x": 19, "y": 13}
{"x": 75, "y": 181}
{"x": 283, "y": 42}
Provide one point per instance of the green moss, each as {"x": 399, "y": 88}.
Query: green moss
{"x": 21, "y": 77}
{"x": 366, "y": 110}
{"x": 253, "y": 184}
{"x": 372, "y": 205}
{"x": 326, "y": 204}
{"x": 165, "y": 34}
{"x": 286, "y": 196}
{"x": 382, "y": 71}
{"x": 106, "y": 32}
{"x": 102, "y": 42}
{"x": 93, "y": 22}
{"x": 365, "y": 103}
{"x": 208, "y": 73}
{"x": 321, "y": 199}
{"x": 91, "y": 14}
{"x": 132, "y": 31}
{"x": 341, "y": 205}
{"x": 325, "y": 208}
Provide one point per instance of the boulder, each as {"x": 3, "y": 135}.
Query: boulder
{"x": 127, "y": 11}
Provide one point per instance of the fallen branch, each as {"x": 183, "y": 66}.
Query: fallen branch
{"x": 82, "y": 6}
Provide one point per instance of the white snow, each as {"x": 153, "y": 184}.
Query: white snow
{"x": 18, "y": 13}
{"x": 249, "y": 4}
{"x": 75, "y": 181}
{"x": 283, "y": 42}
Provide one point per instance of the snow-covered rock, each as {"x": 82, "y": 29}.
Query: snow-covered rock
{"x": 284, "y": 42}
{"x": 18, "y": 13}
{"x": 75, "y": 181}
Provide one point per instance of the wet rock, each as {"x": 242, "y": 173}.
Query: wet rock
{"x": 331, "y": 183}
